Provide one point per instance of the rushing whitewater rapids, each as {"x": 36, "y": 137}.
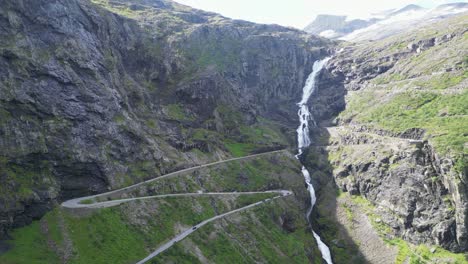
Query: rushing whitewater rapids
{"x": 303, "y": 141}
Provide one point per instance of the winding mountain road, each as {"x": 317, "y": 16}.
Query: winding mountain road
{"x": 75, "y": 203}
{"x": 78, "y": 202}
{"x": 90, "y": 202}
{"x": 189, "y": 231}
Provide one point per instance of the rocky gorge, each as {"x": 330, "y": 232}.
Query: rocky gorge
{"x": 97, "y": 95}
{"x": 94, "y": 100}
{"x": 400, "y": 141}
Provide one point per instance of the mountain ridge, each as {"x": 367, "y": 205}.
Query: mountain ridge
{"x": 92, "y": 94}
{"x": 98, "y": 95}
{"x": 377, "y": 26}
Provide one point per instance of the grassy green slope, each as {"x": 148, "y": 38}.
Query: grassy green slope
{"x": 122, "y": 234}
{"x": 273, "y": 232}
{"x": 423, "y": 90}
{"x": 251, "y": 237}
{"x": 270, "y": 172}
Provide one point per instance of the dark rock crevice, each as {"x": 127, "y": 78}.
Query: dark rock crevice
{"x": 107, "y": 100}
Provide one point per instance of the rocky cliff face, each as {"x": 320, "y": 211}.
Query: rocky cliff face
{"x": 331, "y": 26}
{"x": 97, "y": 95}
{"x": 408, "y": 182}
{"x": 400, "y": 141}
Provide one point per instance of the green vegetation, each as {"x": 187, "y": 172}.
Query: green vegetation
{"x": 443, "y": 116}
{"x": 119, "y": 119}
{"x": 151, "y": 124}
{"x": 262, "y": 132}
{"x": 177, "y": 112}
{"x": 241, "y": 139}
{"x": 126, "y": 233}
{"x": 272, "y": 243}
{"x": 204, "y": 134}
{"x": 368, "y": 208}
{"x": 177, "y": 254}
{"x": 54, "y": 222}
{"x": 407, "y": 251}
{"x": 29, "y": 246}
{"x": 230, "y": 117}
{"x": 5, "y": 116}
{"x": 258, "y": 174}
{"x": 343, "y": 251}
{"x": 422, "y": 254}
{"x": 442, "y": 81}
{"x": 87, "y": 201}
{"x": 19, "y": 181}
{"x": 461, "y": 164}
{"x": 385, "y": 79}
{"x": 104, "y": 237}
{"x": 349, "y": 213}
{"x": 229, "y": 131}
{"x": 421, "y": 91}
{"x": 141, "y": 170}
{"x": 271, "y": 172}
{"x": 239, "y": 149}
{"x": 220, "y": 250}
{"x": 244, "y": 200}
{"x": 118, "y": 9}
{"x": 222, "y": 52}
{"x": 112, "y": 235}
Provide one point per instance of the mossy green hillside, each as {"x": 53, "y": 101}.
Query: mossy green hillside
{"x": 229, "y": 131}
{"x": 266, "y": 235}
{"x": 443, "y": 116}
{"x": 120, "y": 234}
{"x": 177, "y": 112}
{"x": 20, "y": 181}
{"x": 407, "y": 251}
{"x": 241, "y": 138}
{"x": 29, "y": 246}
{"x": 222, "y": 53}
{"x": 124, "y": 11}
{"x": 128, "y": 232}
{"x": 423, "y": 90}
{"x": 270, "y": 172}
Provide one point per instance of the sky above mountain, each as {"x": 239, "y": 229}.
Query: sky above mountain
{"x": 299, "y": 13}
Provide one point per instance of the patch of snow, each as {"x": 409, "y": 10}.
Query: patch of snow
{"x": 402, "y": 21}
{"x": 329, "y": 34}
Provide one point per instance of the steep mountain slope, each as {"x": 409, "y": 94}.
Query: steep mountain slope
{"x": 407, "y": 18}
{"x": 401, "y": 142}
{"x": 381, "y": 25}
{"x": 273, "y": 232}
{"x": 99, "y": 95}
{"x": 331, "y": 26}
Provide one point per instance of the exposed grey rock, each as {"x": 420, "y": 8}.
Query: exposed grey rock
{"x": 338, "y": 24}
{"x": 416, "y": 191}
{"x": 408, "y": 191}
{"x": 86, "y": 94}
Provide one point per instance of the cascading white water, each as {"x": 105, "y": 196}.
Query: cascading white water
{"x": 303, "y": 141}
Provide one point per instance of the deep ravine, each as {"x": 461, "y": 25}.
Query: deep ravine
{"x": 303, "y": 141}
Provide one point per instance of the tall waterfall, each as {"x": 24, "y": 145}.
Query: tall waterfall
{"x": 303, "y": 141}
